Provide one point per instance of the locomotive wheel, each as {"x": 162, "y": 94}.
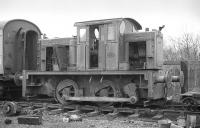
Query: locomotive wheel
{"x": 190, "y": 104}
{"x": 108, "y": 89}
{"x": 66, "y": 87}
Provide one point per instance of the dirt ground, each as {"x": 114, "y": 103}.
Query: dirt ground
{"x": 100, "y": 121}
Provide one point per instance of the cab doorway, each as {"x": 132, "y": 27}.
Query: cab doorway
{"x": 93, "y": 47}
{"x": 31, "y": 51}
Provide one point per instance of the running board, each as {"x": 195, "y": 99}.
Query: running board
{"x": 99, "y": 99}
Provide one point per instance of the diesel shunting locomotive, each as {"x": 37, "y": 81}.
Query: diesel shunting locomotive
{"x": 108, "y": 61}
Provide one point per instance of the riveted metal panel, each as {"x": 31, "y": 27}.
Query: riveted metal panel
{"x": 102, "y": 47}
{"x": 159, "y": 46}
{"x": 81, "y": 57}
{"x": 112, "y": 56}
{"x": 82, "y": 44}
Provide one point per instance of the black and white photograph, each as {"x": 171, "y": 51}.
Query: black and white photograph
{"x": 99, "y": 64}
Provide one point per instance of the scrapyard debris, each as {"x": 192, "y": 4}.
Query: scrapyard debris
{"x": 165, "y": 123}
{"x": 8, "y": 121}
{"x": 66, "y": 119}
{"x": 158, "y": 116}
{"x": 70, "y": 118}
{"x": 92, "y": 126}
{"x": 175, "y": 126}
{"x": 30, "y": 120}
{"x": 112, "y": 116}
{"x": 181, "y": 120}
{"x": 11, "y": 109}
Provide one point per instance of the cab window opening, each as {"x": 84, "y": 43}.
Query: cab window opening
{"x": 94, "y": 46}
{"x": 82, "y": 35}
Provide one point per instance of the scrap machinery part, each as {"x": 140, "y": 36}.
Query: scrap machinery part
{"x": 10, "y": 108}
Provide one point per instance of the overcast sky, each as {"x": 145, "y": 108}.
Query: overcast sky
{"x": 56, "y": 17}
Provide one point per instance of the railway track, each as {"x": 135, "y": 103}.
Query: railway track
{"x": 32, "y": 107}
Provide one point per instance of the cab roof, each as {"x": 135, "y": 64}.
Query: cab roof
{"x": 4, "y": 23}
{"x": 107, "y": 21}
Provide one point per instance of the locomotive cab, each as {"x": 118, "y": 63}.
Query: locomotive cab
{"x": 99, "y": 42}
{"x": 116, "y": 44}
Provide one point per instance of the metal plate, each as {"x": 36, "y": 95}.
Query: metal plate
{"x": 112, "y": 56}
{"x": 81, "y": 57}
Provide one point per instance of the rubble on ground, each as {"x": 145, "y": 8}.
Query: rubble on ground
{"x": 45, "y": 119}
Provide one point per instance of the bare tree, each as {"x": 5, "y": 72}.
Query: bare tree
{"x": 186, "y": 47}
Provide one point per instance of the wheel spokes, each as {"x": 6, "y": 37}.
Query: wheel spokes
{"x": 108, "y": 90}
{"x": 66, "y": 88}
